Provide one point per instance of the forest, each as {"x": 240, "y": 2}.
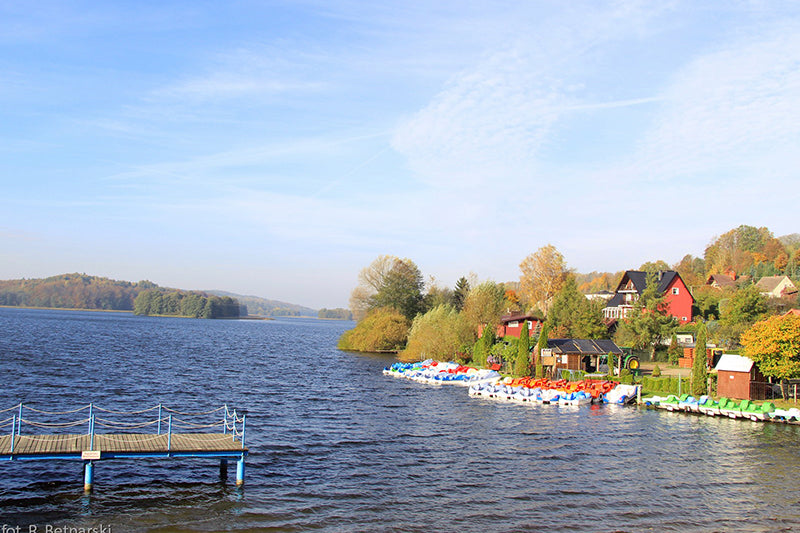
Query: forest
{"x": 81, "y": 291}
{"x": 156, "y": 302}
{"x": 72, "y": 291}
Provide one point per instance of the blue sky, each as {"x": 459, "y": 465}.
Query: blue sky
{"x": 276, "y": 148}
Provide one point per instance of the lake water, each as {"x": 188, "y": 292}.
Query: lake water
{"x": 337, "y": 446}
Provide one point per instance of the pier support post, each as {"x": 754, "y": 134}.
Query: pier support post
{"x": 223, "y": 469}
{"x": 88, "y": 476}
{"x": 240, "y": 471}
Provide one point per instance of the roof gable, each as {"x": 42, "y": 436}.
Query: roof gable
{"x": 637, "y": 280}
{"x": 770, "y": 283}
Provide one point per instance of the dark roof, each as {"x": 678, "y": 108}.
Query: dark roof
{"x": 505, "y": 319}
{"x": 639, "y": 280}
{"x": 583, "y": 346}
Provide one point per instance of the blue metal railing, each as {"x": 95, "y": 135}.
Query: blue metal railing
{"x": 232, "y": 421}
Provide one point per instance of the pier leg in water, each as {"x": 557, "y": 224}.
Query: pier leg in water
{"x": 240, "y": 472}
{"x": 223, "y": 469}
{"x": 88, "y": 476}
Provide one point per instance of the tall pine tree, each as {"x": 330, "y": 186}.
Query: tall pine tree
{"x": 539, "y": 373}
{"x": 522, "y": 364}
{"x": 699, "y": 367}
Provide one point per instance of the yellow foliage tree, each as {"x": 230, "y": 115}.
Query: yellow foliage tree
{"x": 774, "y": 346}
{"x": 543, "y": 275}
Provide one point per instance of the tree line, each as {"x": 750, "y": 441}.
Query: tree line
{"x": 397, "y": 311}
{"x": 157, "y": 302}
{"x": 335, "y": 314}
{"x": 72, "y": 291}
{"x": 81, "y": 291}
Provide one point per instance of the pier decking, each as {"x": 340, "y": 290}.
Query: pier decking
{"x": 119, "y": 445}
{"x": 44, "y": 439}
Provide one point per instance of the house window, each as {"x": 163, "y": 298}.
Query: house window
{"x": 513, "y": 324}
{"x": 684, "y": 319}
{"x": 675, "y": 290}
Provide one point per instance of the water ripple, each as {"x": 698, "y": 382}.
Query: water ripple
{"x": 336, "y": 446}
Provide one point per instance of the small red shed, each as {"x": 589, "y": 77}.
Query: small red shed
{"x": 738, "y": 377}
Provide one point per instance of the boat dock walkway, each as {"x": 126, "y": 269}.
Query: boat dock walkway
{"x": 34, "y": 434}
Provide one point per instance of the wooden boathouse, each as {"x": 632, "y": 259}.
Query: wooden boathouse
{"x": 34, "y": 434}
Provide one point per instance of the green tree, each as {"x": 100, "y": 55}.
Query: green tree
{"x": 401, "y": 289}
{"x": 483, "y": 347}
{"x": 437, "y": 296}
{"x": 522, "y": 363}
{"x": 649, "y": 321}
{"x": 674, "y": 353}
{"x": 745, "y": 308}
{"x": 541, "y": 344}
{"x": 460, "y": 293}
{"x": 573, "y": 315}
{"x": 700, "y": 365}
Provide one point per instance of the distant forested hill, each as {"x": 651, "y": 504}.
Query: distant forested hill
{"x": 81, "y": 291}
{"x": 262, "y": 307}
{"x": 72, "y": 291}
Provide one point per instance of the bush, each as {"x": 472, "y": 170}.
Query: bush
{"x": 441, "y": 334}
{"x": 656, "y": 371}
{"x": 382, "y": 330}
{"x": 663, "y": 385}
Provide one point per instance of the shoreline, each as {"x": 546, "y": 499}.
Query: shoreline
{"x": 67, "y": 309}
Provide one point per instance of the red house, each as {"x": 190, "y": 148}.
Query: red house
{"x": 677, "y": 296}
{"x": 512, "y": 325}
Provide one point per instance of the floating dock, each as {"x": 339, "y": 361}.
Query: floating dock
{"x": 33, "y": 435}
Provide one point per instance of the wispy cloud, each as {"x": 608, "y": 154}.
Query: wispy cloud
{"x": 731, "y": 112}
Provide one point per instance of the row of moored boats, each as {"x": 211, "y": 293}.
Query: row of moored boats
{"x": 490, "y": 384}
{"x": 724, "y": 407}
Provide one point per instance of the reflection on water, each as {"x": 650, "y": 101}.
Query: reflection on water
{"x": 336, "y": 446}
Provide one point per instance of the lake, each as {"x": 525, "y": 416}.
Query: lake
{"x": 336, "y": 446}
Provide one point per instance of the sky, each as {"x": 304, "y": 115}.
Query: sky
{"x": 276, "y": 148}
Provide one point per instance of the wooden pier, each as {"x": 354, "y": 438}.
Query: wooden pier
{"x": 126, "y": 441}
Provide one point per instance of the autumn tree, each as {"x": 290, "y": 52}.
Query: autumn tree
{"x": 692, "y": 270}
{"x": 654, "y": 266}
{"x": 774, "y": 346}
{"x": 743, "y": 249}
{"x": 700, "y": 364}
{"x": 543, "y": 275}
{"x": 370, "y": 281}
{"x": 484, "y": 305}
